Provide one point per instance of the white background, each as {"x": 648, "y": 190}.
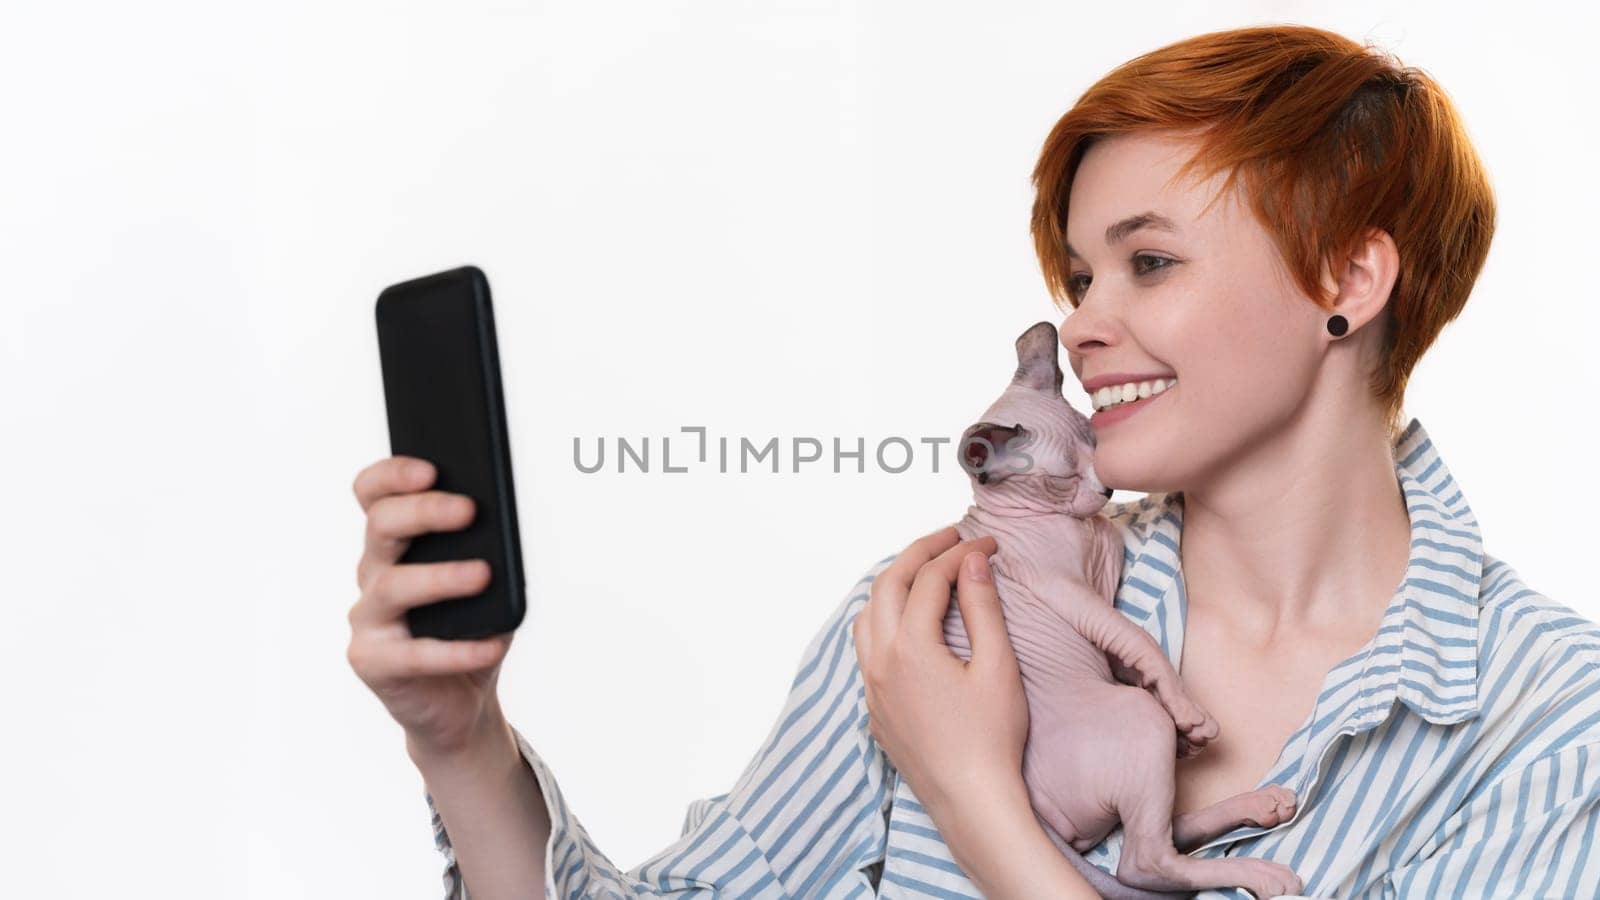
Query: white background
{"x": 771, "y": 219}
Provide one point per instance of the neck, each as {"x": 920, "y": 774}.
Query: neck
{"x": 1292, "y": 538}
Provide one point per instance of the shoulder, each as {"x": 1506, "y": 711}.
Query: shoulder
{"x": 837, "y": 629}
{"x": 862, "y": 589}
{"x": 1538, "y": 669}
{"x": 1522, "y": 630}
{"x": 828, "y": 664}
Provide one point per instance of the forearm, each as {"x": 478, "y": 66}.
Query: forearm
{"x": 494, "y": 812}
{"x": 998, "y": 842}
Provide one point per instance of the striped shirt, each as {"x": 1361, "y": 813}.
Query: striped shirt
{"x": 1457, "y": 754}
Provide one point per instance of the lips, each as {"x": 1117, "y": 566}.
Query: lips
{"x": 1099, "y": 381}
{"x": 1116, "y": 414}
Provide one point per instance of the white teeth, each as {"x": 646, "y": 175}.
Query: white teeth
{"x": 1118, "y": 394}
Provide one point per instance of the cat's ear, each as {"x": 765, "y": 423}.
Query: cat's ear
{"x": 990, "y": 452}
{"x": 1037, "y": 363}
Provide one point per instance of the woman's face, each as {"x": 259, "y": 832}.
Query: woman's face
{"x": 1206, "y": 300}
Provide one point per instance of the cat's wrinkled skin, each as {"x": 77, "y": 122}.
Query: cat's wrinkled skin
{"x": 1108, "y": 716}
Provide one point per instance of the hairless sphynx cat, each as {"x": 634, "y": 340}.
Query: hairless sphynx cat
{"x": 1108, "y": 716}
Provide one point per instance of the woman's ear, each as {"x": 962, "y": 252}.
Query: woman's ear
{"x": 1366, "y": 279}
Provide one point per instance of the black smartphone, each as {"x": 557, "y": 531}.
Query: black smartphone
{"x": 441, "y": 384}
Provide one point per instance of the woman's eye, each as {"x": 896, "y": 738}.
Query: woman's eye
{"x": 1143, "y": 264}
{"x": 1140, "y": 261}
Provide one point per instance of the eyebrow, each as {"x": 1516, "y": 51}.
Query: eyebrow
{"x": 1119, "y": 231}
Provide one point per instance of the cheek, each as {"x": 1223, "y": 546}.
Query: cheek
{"x": 1243, "y": 350}
{"x": 1241, "y": 368}
{"x": 1058, "y": 492}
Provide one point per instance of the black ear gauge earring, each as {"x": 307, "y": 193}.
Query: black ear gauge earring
{"x": 1338, "y": 325}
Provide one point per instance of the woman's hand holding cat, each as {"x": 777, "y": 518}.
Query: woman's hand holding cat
{"x": 955, "y": 730}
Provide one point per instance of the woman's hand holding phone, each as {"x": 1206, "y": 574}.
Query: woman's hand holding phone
{"x": 442, "y": 692}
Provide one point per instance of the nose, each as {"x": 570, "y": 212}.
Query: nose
{"x": 1086, "y": 328}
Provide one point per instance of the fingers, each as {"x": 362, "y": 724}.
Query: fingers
{"x": 929, "y": 601}
{"x": 861, "y": 635}
{"x": 398, "y": 588}
{"x": 391, "y": 475}
{"x": 379, "y": 659}
{"x": 893, "y": 584}
{"x": 981, "y": 613}
{"x": 393, "y": 520}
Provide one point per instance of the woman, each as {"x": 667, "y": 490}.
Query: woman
{"x": 1438, "y": 736}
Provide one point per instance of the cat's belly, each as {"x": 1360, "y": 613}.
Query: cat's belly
{"x": 1089, "y": 750}
{"x": 1083, "y": 726}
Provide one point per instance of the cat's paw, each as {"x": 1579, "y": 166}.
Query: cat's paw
{"x": 1196, "y": 727}
{"x": 1268, "y": 807}
{"x": 1265, "y": 879}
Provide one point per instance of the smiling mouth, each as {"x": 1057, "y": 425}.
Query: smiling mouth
{"x": 1120, "y": 394}
{"x": 1111, "y": 415}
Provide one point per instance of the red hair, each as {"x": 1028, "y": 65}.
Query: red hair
{"x": 1329, "y": 138}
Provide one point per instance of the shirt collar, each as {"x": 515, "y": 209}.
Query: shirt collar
{"x": 1426, "y": 650}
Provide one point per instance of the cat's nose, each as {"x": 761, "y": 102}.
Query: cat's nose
{"x": 1108, "y": 493}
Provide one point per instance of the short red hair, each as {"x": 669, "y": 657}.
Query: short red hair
{"x": 1329, "y": 138}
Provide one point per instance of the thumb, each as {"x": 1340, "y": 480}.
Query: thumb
{"x": 980, "y": 611}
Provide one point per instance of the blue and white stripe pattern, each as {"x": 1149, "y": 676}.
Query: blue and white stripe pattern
{"x": 1457, "y": 754}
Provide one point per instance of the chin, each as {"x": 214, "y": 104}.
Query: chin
{"x": 1130, "y": 470}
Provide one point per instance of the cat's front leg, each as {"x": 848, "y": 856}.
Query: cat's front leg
{"x": 1138, "y": 660}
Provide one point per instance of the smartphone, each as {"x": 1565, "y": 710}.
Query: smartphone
{"x": 441, "y": 385}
